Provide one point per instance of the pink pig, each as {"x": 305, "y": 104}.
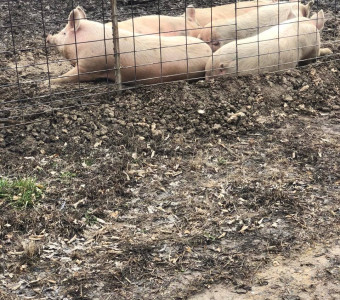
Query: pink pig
{"x": 144, "y": 59}
{"x": 163, "y": 25}
{"x": 278, "y": 48}
{"x": 206, "y": 15}
{"x": 224, "y": 31}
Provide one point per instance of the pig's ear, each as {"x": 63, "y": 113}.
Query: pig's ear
{"x": 82, "y": 12}
{"x": 307, "y": 9}
{"x": 191, "y": 13}
{"x": 74, "y": 19}
{"x": 318, "y": 20}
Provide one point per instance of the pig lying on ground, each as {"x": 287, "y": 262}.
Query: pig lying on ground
{"x": 206, "y": 15}
{"x": 278, "y": 48}
{"x": 163, "y": 25}
{"x": 82, "y": 42}
{"x": 224, "y": 31}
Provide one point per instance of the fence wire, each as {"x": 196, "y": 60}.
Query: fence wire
{"x": 56, "y": 55}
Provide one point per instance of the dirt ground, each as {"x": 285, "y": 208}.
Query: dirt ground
{"x": 302, "y": 276}
{"x": 209, "y": 190}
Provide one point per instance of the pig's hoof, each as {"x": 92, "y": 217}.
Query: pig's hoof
{"x": 50, "y": 84}
{"x": 325, "y": 51}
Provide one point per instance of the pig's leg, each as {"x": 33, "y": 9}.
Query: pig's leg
{"x": 73, "y": 77}
{"x": 70, "y": 77}
{"x": 317, "y": 53}
{"x": 325, "y": 51}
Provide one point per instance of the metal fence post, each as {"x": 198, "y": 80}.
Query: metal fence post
{"x": 116, "y": 50}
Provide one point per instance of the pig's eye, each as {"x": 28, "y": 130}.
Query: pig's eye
{"x": 216, "y": 43}
{"x": 64, "y": 33}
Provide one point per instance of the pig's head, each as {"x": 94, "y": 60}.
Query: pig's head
{"x": 301, "y": 9}
{"x": 306, "y": 9}
{"x": 67, "y": 36}
{"x": 215, "y": 66}
{"x": 216, "y": 72}
{"x": 209, "y": 34}
{"x": 192, "y": 24}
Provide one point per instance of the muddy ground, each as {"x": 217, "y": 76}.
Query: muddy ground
{"x": 209, "y": 190}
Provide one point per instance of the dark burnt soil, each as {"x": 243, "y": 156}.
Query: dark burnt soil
{"x": 160, "y": 192}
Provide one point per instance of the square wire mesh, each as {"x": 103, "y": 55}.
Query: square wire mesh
{"x": 159, "y": 42}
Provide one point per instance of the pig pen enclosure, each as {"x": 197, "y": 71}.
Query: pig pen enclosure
{"x": 221, "y": 189}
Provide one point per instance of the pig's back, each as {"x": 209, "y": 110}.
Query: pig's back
{"x": 249, "y": 24}
{"x": 154, "y": 24}
{"x": 206, "y": 15}
{"x": 261, "y": 53}
{"x": 263, "y": 18}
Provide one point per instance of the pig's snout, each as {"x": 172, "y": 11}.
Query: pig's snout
{"x": 48, "y": 39}
{"x": 213, "y": 72}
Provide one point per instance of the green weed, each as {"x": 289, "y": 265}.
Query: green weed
{"x": 90, "y": 218}
{"x": 68, "y": 175}
{"x": 21, "y": 193}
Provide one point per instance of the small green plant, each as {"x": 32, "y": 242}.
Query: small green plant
{"x": 88, "y": 162}
{"x": 22, "y": 193}
{"x": 209, "y": 237}
{"x": 90, "y": 218}
{"x": 68, "y": 175}
{"x": 221, "y": 161}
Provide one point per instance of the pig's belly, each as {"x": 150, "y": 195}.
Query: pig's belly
{"x": 147, "y": 67}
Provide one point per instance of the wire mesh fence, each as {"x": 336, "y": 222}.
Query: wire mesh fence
{"x": 56, "y": 54}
